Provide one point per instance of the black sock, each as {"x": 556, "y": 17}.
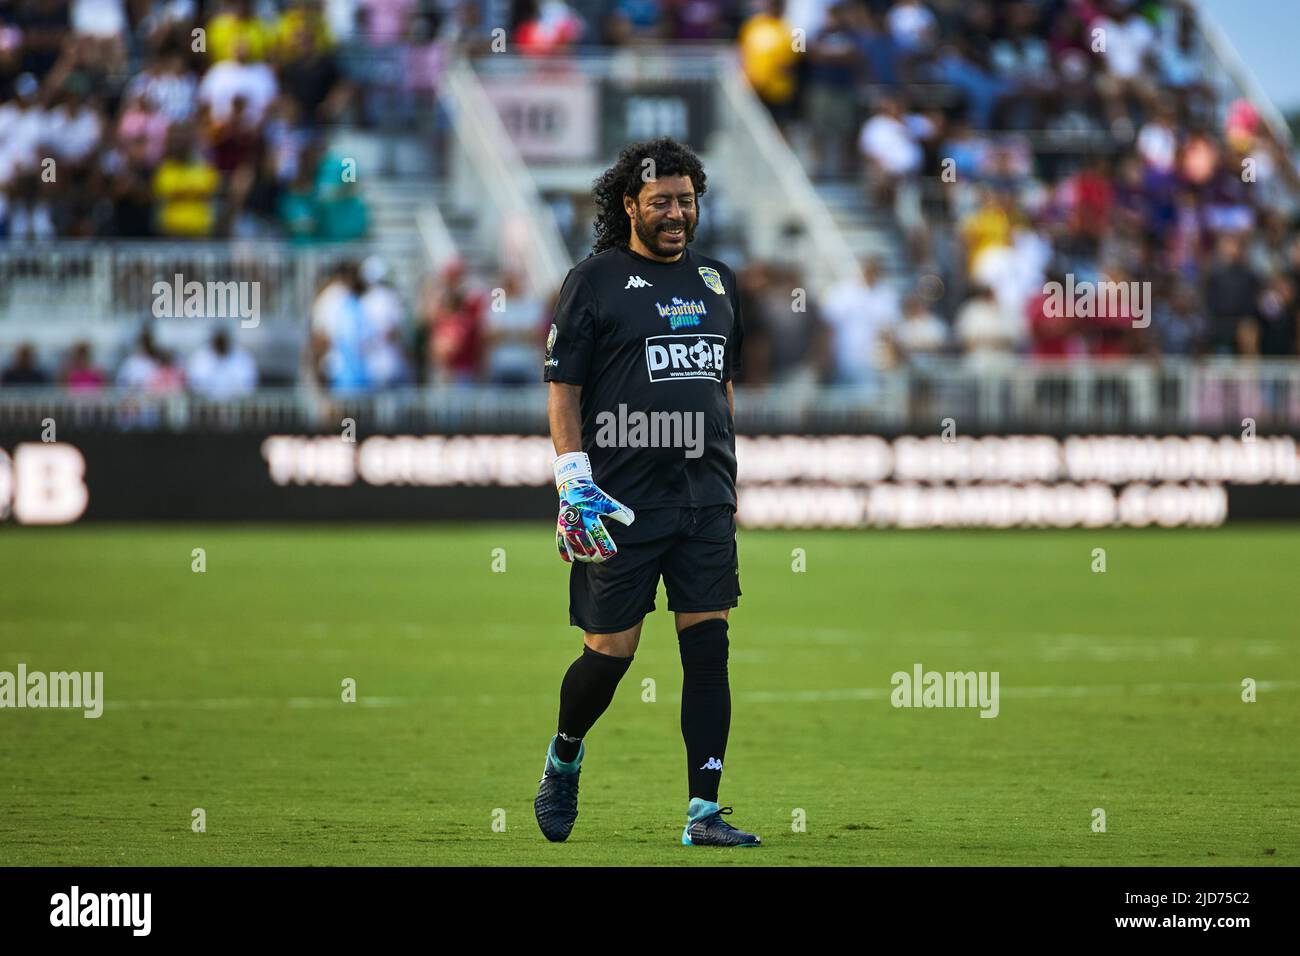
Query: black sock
{"x": 585, "y": 694}
{"x": 706, "y": 704}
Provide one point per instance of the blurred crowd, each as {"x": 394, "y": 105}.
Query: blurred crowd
{"x": 201, "y": 118}
{"x": 1010, "y": 144}
{"x": 1026, "y": 142}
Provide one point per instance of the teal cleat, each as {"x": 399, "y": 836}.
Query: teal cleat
{"x": 556, "y": 805}
{"x": 705, "y": 827}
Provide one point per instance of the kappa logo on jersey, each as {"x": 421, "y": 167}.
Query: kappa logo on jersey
{"x": 682, "y": 312}
{"x": 713, "y": 763}
{"x": 675, "y": 358}
{"x": 712, "y": 279}
{"x": 636, "y": 282}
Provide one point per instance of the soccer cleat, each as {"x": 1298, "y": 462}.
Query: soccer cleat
{"x": 705, "y": 827}
{"x": 556, "y": 805}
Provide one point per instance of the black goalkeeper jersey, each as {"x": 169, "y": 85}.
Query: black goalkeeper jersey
{"x": 652, "y": 344}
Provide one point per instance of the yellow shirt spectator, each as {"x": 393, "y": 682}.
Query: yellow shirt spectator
{"x": 183, "y": 191}
{"x": 985, "y": 228}
{"x": 227, "y": 30}
{"x": 768, "y": 57}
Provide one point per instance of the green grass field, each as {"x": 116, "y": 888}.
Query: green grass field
{"x": 1120, "y": 691}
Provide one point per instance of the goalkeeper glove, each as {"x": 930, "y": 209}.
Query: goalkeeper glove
{"x": 580, "y": 535}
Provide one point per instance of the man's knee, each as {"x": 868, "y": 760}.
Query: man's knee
{"x": 619, "y": 644}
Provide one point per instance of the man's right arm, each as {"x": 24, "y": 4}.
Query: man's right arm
{"x": 563, "y": 409}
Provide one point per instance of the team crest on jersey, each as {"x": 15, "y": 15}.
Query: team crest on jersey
{"x": 712, "y": 279}
{"x": 682, "y": 312}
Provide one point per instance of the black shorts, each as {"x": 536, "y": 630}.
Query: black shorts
{"x": 693, "y": 548}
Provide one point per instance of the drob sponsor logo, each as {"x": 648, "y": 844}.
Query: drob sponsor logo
{"x": 950, "y": 689}
{"x": 671, "y": 358}
{"x": 681, "y": 313}
{"x": 74, "y": 908}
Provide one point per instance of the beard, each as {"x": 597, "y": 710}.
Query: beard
{"x": 650, "y": 236}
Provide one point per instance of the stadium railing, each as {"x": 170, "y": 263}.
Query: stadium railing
{"x": 1222, "y": 395}
{"x": 490, "y": 181}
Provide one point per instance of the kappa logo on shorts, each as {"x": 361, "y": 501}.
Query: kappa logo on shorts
{"x": 713, "y": 763}
{"x": 673, "y": 358}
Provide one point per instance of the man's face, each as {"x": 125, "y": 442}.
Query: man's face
{"x": 664, "y": 215}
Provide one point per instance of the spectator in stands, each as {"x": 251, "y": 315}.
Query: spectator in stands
{"x": 185, "y": 188}
{"x": 890, "y": 144}
{"x": 454, "y": 313}
{"x": 149, "y": 368}
{"x": 387, "y": 362}
{"x": 921, "y": 337}
{"x": 1277, "y": 318}
{"x": 859, "y": 314}
{"x": 339, "y": 335}
{"x": 787, "y": 345}
{"x": 23, "y": 368}
{"x": 835, "y": 68}
{"x": 1125, "y": 45}
{"x": 341, "y": 213}
{"x": 988, "y": 336}
{"x": 510, "y": 324}
{"x": 1231, "y": 297}
{"x": 545, "y": 27}
{"x": 220, "y": 370}
{"x": 241, "y": 76}
{"x": 768, "y": 58}
{"x": 236, "y": 26}
{"x": 81, "y": 374}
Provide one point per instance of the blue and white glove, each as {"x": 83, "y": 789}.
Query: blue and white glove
{"x": 580, "y": 534}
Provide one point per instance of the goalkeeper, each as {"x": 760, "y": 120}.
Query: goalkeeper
{"x": 646, "y": 330}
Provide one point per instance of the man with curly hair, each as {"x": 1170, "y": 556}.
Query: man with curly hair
{"x": 640, "y": 358}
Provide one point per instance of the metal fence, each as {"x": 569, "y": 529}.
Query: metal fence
{"x": 1221, "y": 395}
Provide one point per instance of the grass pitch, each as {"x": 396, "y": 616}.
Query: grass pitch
{"x": 1119, "y": 690}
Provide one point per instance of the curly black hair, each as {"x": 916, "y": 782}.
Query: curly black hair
{"x": 671, "y": 158}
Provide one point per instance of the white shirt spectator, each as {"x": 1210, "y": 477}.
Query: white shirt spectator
{"x": 137, "y": 371}
{"x": 229, "y": 79}
{"x": 1127, "y": 45}
{"x": 383, "y": 312}
{"x": 74, "y": 135}
{"x": 911, "y": 24}
{"x": 889, "y": 143}
{"x": 172, "y": 93}
{"x": 988, "y": 335}
{"x": 99, "y": 18}
{"x": 220, "y": 377}
{"x": 1158, "y": 145}
{"x": 923, "y": 334}
{"x": 857, "y": 314}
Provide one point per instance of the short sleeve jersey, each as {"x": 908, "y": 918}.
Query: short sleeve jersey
{"x": 653, "y": 345}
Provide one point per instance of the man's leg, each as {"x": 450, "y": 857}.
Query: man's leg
{"x": 706, "y": 698}
{"x": 589, "y": 685}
